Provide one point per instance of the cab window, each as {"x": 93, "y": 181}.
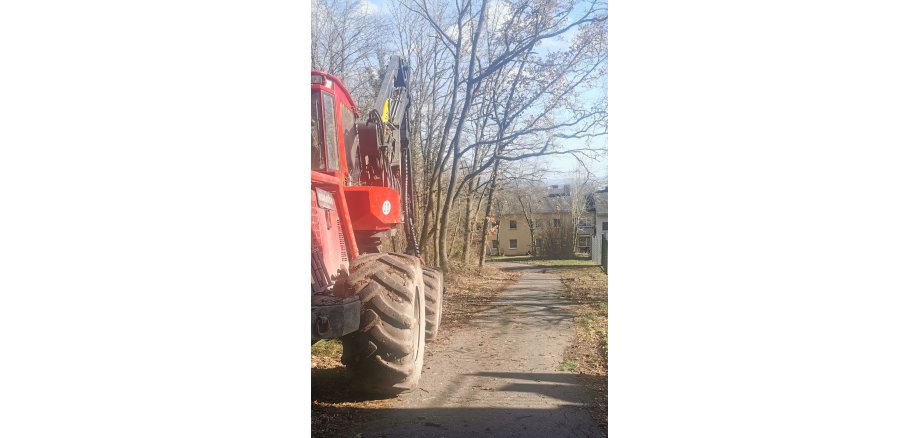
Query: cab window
{"x": 350, "y": 131}
{"x": 317, "y": 155}
{"x": 332, "y": 139}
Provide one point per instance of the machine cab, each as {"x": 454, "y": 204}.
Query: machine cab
{"x": 333, "y": 129}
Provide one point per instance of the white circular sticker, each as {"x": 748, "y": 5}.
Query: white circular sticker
{"x": 386, "y": 208}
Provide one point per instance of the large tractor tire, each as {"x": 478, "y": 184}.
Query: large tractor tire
{"x": 434, "y": 296}
{"x": 385, "y": 355}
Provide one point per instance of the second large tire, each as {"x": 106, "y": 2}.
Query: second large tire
{"x": 434, "y": 297}
{"x": 385, "y": 355}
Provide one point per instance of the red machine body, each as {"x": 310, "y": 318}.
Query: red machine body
{"x": 373, "y": 208}
{"x": 355, "y": 172}
{"x": 382, "y": 305}
{"x": 332, "y": 234}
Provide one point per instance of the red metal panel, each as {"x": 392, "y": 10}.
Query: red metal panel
{"x": 373, "y": 208}
{"x": 322, "y": 178}
{"x": 324, "y": 235}
{"x": 334, "y": 185}
{"x": 347, "y": 227}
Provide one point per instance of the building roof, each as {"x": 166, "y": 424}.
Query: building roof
{"x": 598, "y": 201}
{"x": 546, "y": 204}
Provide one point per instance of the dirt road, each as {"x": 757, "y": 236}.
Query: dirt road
{"x": 500, "y": 375}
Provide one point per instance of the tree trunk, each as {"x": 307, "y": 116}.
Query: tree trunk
{"x": 437, "y": 230}
{"x": 455, "y": 142}
{"x": 445, "y": 214}
{"x": 467, "y": 231}
{"x": 485, "y": 219}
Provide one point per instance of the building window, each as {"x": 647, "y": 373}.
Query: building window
{"x": 538, "y": 223}
{"x": 512, "y": 225}
{"x": 512, "y": 244}
{"x": 604, "y": 226}
{"x": 558, "y": 223}
{"x": 494, "y": 244}
{"x": 539, "y": 243}
{"x": 583, "y": 242}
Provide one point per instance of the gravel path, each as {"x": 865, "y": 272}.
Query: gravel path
{"x": 500, "y": 375}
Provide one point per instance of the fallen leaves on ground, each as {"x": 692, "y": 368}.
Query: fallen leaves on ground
{"x": 587, "y": 288}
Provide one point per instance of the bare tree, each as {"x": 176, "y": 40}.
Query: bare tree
{"x": 494, "y": 83}
{"x": 527, "y": 198}
{"x": 582, "y": 185}
{"x": 346, "y": 43}
{"x": 537, "y": 87}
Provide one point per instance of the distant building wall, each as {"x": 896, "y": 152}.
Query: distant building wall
{"x": 599, "y": 207}
{"x": 599, "y": 231}
{"x": 521, "y": 234}
{"x": 559, "y": 190}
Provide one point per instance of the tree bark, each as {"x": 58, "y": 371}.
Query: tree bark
{"x": 488, "y": 213}
{"x": 455, "y": 143}
{"x": 466, "y": 225}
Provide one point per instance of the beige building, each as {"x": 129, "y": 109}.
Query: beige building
{"x": 553, "y": 227}
{"x": 512, "y": 234}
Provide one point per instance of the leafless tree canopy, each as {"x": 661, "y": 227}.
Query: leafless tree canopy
{"x": 496, "y": 84}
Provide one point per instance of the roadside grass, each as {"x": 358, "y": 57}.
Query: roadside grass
{"x": 586, "y": 288}
{"x": 336, "y": 410}
{"x": 515, "y": 259}
{"x": 536, "y": 261}
{"x": 325, "y": 350}
{"x": 564, "y": 262}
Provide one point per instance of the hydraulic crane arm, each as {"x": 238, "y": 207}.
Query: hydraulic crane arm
{"x": 392, "y": 99}
{"x": 385, "y": 153}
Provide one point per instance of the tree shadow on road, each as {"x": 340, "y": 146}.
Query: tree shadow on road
{"x": 466, "y": 422}
{"x": 559, "y": 386}
{"x": 338, "y": 412}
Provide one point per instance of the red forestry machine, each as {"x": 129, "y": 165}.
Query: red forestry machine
{"x": 382, "y": 305}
